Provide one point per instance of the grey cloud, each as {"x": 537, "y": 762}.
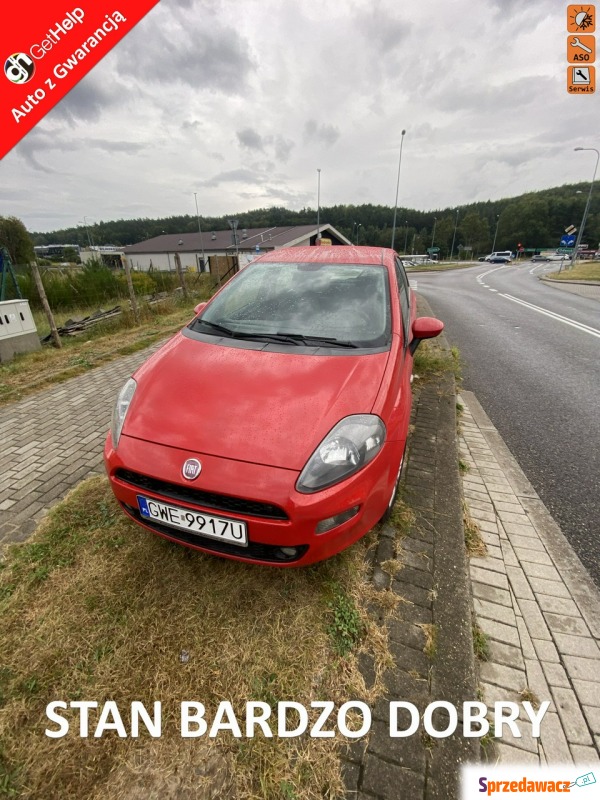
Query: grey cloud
{"x": 28, "y": 148}
{"x": 216, "y": 156}
{"x": 283, "y": 148}
{"x": 454, "y": 96}
{"x": 232, "y": 176}
{"x": 251, "y": 139}
{"x": 114, "y": 147}
{"x": 326, "y": 133}
{"x": 380, "y": 30}
{"x": 196, "y": 49}
{"x": 85, "y": 102}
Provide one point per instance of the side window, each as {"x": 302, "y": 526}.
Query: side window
{"x": 404, "y": 291}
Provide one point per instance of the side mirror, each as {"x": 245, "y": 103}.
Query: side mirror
{"x": 424, "y": 328}
{"x": 199, "y": 307}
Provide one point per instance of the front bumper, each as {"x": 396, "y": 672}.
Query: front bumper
{"x": 264, "y": 497}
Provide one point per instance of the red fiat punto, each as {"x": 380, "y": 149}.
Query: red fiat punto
{"x": 272, "y": 428}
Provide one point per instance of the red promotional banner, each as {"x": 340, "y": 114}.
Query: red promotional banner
{"x": 47, "y": 47}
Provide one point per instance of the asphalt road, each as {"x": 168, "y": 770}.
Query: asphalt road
{"x": 532, "y": 356}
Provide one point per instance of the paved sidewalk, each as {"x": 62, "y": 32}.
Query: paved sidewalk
{"x": 582, "y": 289}
{"x": 534, "y": 601}
{"x": 52, "y": 440}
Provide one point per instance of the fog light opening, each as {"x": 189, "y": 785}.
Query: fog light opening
{"x": 332, "y": 522}
{"x": 286, "y": 553}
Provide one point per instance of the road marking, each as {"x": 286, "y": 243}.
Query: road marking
{"x": 483, "y": 274}
{"x": 558, "y": 317}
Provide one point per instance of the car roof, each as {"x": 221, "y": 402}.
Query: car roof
{"x": 335, "y": 254}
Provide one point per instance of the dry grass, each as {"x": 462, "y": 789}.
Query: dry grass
{"x": 31, "y": 372}
{"x": 581, "y": 272}
{"x": 431, "y": 635}
{"x": 473, "y": 540}
{"x": 94, "y": 608}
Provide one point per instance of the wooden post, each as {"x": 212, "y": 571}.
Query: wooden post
{"x": 48, "y": 311}
{"x": 180, "y": 275}
{"x": 134, "y": 307}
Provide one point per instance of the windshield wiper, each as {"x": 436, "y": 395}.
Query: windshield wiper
{"x": 301, "y": 337}
{"x": 280, "y": 336}
{"x": 221, "y": 328}
{"x": 273, "y": 337}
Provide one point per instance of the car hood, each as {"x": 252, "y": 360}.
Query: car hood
{"x": 260, "y": 406}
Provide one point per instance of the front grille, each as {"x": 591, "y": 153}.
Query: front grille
{"x": 219, "y": 502}
{"x": 260, "y": 552}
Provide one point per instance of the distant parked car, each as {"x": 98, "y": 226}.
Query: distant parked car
{"x": 506, "y": 253}
{"x": 272, "y": 428}
{"x": 558, "y": 257}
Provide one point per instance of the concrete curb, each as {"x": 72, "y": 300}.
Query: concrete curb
{"x": 433, "y": 581}
{"x": 576, "y": 283}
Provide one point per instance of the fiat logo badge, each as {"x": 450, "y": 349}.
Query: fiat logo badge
{"x": 191, "y": 469}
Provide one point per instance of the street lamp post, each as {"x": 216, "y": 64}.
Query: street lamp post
{"x": 587, "y": 206}
{"x": 495, "y": 233}
{"x": 433, "y": 234}
{"x": 87, "y": 230}
{"x": 454, "y": 235}
{"x": 397, "y": 187}
{"x": 405, "y": 235}
{"x": 200, "y": 232}
{"x": 359, "y": 225}
{"x": 318, "y": 239}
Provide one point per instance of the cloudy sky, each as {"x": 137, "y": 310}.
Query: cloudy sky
{"x": 242, "y": 101}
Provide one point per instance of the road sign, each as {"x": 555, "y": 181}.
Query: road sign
{"x": 431, "y": 250}
{"x": 567, "y": 241}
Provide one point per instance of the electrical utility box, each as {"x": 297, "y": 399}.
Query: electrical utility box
{"x": 18, "y": 333}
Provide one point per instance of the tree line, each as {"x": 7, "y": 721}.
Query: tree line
{"x": 534, "y": 220}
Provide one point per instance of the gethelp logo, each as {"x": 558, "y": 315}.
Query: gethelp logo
{"x": 527, "y": 781}
{"x": 48, "y": 49}
{"x": 19, "y": 68}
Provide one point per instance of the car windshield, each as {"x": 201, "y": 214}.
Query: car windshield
{"x": 332, "y": 305}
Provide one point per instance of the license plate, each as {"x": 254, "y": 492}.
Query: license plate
{"x": 226, "y": 530}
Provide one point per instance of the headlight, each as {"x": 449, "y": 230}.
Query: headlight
{"x": 120, "y": 410}
{"x": 347, "y": 448}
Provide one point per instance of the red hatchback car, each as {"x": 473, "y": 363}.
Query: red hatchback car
{"x": 272, "y": 428}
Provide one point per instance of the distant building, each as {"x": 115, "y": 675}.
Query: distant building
{"x": 54, "y": 250}
{"x": 159, "y": 252}
{"x": 107, "y": 254}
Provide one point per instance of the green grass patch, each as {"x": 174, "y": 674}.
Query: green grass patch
{"x": 481, "y": 647}
{"x": 346, "y": 626}
{"x": 95, "y": 608}
{"x": 431, "y": 360}
{"x": 582, "y": 271}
